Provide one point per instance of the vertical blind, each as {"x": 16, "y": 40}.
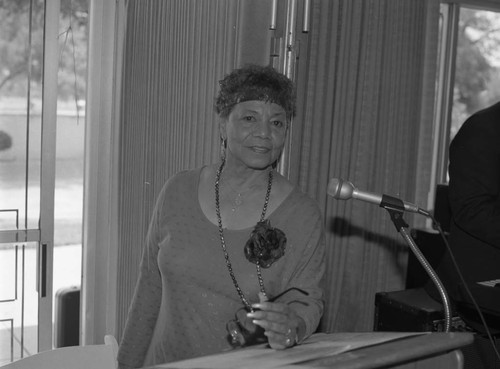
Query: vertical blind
{"x": 366, "y": 110}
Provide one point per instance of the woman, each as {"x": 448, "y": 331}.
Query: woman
{"x": 235, "y": 252}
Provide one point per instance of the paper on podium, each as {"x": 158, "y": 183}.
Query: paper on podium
{"x": 261, "y": 356}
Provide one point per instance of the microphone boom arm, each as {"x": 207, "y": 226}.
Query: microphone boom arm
{"x": 401, "y": 225}
{"x": 344, "y": 190}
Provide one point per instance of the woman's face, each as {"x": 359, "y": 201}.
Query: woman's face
{"x": 255, "y": 132}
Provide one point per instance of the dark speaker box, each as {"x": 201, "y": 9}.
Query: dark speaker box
{"x": 410, "y": 310}
{"x": 414, "y": 310}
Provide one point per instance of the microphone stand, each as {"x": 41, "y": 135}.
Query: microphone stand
{"x": 401, "y": 225}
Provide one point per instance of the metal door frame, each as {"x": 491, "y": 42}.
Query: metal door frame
{"x": 44, "y": 235}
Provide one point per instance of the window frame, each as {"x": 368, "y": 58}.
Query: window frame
{"x": 447, "y": 52}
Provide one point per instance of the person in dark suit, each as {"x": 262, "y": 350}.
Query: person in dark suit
{"x": 474, "y": 195}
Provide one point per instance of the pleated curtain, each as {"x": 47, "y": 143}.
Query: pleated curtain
{"x": 367, "y": 109}
{"x": 364, "y": 114}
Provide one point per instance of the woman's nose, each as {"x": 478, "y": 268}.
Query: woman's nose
{"x": 263, "y": 129}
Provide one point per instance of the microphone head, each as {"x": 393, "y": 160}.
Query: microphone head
{"x": 340, "y": 189}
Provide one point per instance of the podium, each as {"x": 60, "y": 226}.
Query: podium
{"x": 345, "y": 351}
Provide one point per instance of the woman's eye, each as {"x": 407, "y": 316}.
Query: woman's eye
{"x": 249, "y": 118}
{"x": 278, "y": 123}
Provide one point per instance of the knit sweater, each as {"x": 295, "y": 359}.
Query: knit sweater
{"x": 185, "y": 296}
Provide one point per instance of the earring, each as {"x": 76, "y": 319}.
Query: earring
{"x": 223, "y": 146}
{"x": 277, "y": 161}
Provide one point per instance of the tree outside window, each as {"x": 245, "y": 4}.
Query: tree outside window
{"x": 477, "y": 73}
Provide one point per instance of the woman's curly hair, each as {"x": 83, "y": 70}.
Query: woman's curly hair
{"x": 255, "y": 82}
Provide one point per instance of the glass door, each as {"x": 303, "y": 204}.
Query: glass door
{"x": 23, "y": 260}
{"x": 42, "y": 71}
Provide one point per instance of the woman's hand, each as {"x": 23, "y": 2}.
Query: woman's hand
{"x": 279, "y": 321}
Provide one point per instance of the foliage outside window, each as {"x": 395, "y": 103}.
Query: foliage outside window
{"x": 16, "y": 56}
{"x": 477, "y": 73}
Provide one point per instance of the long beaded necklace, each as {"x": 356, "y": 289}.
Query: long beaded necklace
{"x": 223, "y": 242}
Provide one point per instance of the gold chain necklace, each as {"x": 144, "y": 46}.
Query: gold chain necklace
{"x": 223, "y": 241}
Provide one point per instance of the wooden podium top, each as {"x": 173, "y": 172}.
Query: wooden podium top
{"x": 344, "y": 351}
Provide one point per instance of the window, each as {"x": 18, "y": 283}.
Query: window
{"x": 469, "y": 70}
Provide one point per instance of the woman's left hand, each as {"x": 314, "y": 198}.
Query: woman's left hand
{"x": 279, "y": 322}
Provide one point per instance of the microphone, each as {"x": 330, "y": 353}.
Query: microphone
{"x": 343, "y": 190}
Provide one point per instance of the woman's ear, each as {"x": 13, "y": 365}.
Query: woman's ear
{"x": 223, "y": 140}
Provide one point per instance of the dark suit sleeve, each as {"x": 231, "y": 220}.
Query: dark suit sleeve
{"x": 475, "y": 178}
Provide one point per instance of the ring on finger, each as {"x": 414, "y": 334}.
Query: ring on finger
{"x": 288, "y": 340}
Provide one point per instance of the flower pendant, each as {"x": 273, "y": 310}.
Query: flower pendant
{"x": 266, "y": 244}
